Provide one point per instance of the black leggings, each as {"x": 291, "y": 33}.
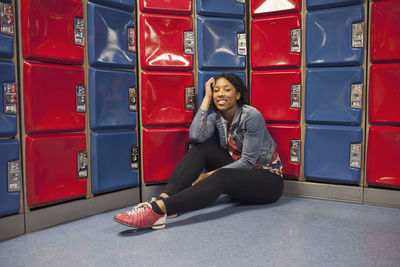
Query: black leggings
{"x": 254, "y": 186}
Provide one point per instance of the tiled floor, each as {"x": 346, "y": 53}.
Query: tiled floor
{"x": 291, "y": 232}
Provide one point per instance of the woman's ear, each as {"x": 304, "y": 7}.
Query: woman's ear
{"x": 238, "y": 95}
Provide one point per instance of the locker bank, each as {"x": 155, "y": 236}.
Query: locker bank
{"x": 97, "y": 97}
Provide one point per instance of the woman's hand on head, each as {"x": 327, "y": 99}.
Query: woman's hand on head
{"x": 209, "y": 87}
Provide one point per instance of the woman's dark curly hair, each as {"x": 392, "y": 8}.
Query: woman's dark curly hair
{"x": 239, "y": 86}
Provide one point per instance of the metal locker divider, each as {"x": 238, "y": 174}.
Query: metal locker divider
{"x": 110, "y": 35}
{"x": 382, "y": 161}
{"x": 260, "y": 8}
{"x": 221, "y": 8}
{"x": 128, "y": 5}
{"x": 333, "y": 153}
{"x": 277, "y": 95}
{"x": 177, "y": 7}
{"x": 114, "y": 160}
{"x": 288, "y": 140}
{"x": 276, "y": 42}
{"x": 112, "y": 95}
{"x": 50, "y": 31}
{"x": 334, "y": 95}
{"x": 322, "y": 4}
{"x": 8, "y": 100}
{"x": 335, "y": 37}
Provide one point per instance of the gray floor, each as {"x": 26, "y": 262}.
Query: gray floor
{"x": 291, "y": 232}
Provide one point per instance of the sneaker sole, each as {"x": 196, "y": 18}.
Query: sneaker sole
{"x": 155, "y": 227}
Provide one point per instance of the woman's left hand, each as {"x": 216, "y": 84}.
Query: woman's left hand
{"x": 202, "y": 176}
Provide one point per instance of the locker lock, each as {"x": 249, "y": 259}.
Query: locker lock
{"x": 7, "y": 19}
{"x": 134, "y": 157}
{"x": 10, "y": 97}
{"x": 82, "y": 158}
{"x": 295, "y": 96}
{"x": 132, "y": 40}
{"x": 295, "y": 146}
{"x": 295, "y": 41}
{"x": 132, "y": 99}
{"x": 355, "y": 155}
{"x": 356, "y": 96}
{"x": 357, "y": 35}
{"x": 80, "y": 93}
{"x": 14, "y": 176}
{"x": 188, "y": 42}
{"x": 190, "y": 95}
{"x": 241, "y": 42}
{"x": 79, "y": 31}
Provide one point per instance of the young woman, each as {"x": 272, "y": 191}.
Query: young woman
{"x": 245, "y": 165}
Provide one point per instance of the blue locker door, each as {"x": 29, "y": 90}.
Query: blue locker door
{"x": 7, "y": 29}
{"x": 8, "y": 100}
{"x": 321, "y": 4}
{"x": 217, "y": 43}
{"x": 112, "y": 96}
{"x": 112, "y": 160}
{"x": 9, "y": 194}
{"x": 109, "y": 32}
{"x": 333, "y": 153}
{"x": 121, "y": 4}
{"x": 220, "y": 8}
{"x": 334, "y": 95}
{"x": 329, "y": 37}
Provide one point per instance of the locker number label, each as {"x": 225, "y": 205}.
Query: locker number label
{"x": 14, "y": 176}
{"x": 357, "y": 35}
{"x": 79, "y": 31}
{"x": 134, "y": 157}
{"x": 7, "y": 19}
{"x": 10, "y": 97}
{"x": 132, "y": 99}
{"x": 82, "y": 158}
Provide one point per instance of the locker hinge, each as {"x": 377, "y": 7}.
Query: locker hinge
{"x": 241, "y": 42}
{"x": 295, "y": 96}
{"x": 132, "y": 40}
{"x": 357, "y": 35}
{"x": 7, "y": 19}
{"x": 10, "y": 97}
{"x": 134, "y": 157}
{"x": 188, "y": 42}
{"x": 79, "y": 31}
{"x": 295, "y": 146}
{"x": 356, "y": 96}
{"x": 132, "y": 99}
{"x": 14, "y": 176}
{"x": 190, "y": 101}
{"x": 355, "y": 155}
{"x": 82, "y": 158}
{"x": 80, "y": 92}
{"x": 295, "y": 41}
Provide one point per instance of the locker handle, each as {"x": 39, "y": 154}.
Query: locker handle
{"x": 82, "y": 162}
{"x": 190, "y": 97}
{"x": 355, "y": 155}
{"x": 356, "y": 96}
{"x": 10, "y": 97}
{"x": 134, "y": 157}
{"x": 188, "y": 42}
{"x": 132, "y": 99}
{"x": 14, "y": 176}
{"x": 357, "y": 35}
{"x": 295, "y": 41}
{"x": 295, "y": 146}
{"x": 241, "y": 43}
{"x": 79, "y": 31}
{"x": 7, "y": 18}
{"x": 132, "y": 40}
{"x": 295, "y": 96}
{"x": 80, "y": 94}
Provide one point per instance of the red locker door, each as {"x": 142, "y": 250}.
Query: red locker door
{"x": 51, "y": 101}
{"x": 276, "y": 94}
{"x": 179, "y": 7}
{"x": 267, "y": 7}
{"x": 383, "y": 156}
{"x": 162, "y": 151}
{"x": 162, "y": 45}
{"x": 384, "y": 93}
{"x": 52, "y": 168}
{"x": 385, "y": 32}
{"x": 275, "y": 42}
{"x": 167, "y": 98}
{"x": 52, "y": 31}
{"x": 287, "y": 138}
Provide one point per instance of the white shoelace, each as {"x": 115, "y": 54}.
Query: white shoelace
{"x": 140, "y": 207}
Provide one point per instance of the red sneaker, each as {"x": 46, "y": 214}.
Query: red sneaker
{"x": 142, "y": 217}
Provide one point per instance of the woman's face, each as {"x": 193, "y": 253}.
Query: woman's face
{"x": 224, "y": 95}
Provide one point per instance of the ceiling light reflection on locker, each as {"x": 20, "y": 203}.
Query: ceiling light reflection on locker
{"x": 273, "y": 7}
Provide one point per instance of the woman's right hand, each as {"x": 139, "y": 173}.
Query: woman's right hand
{"x": 209, "y": 87}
